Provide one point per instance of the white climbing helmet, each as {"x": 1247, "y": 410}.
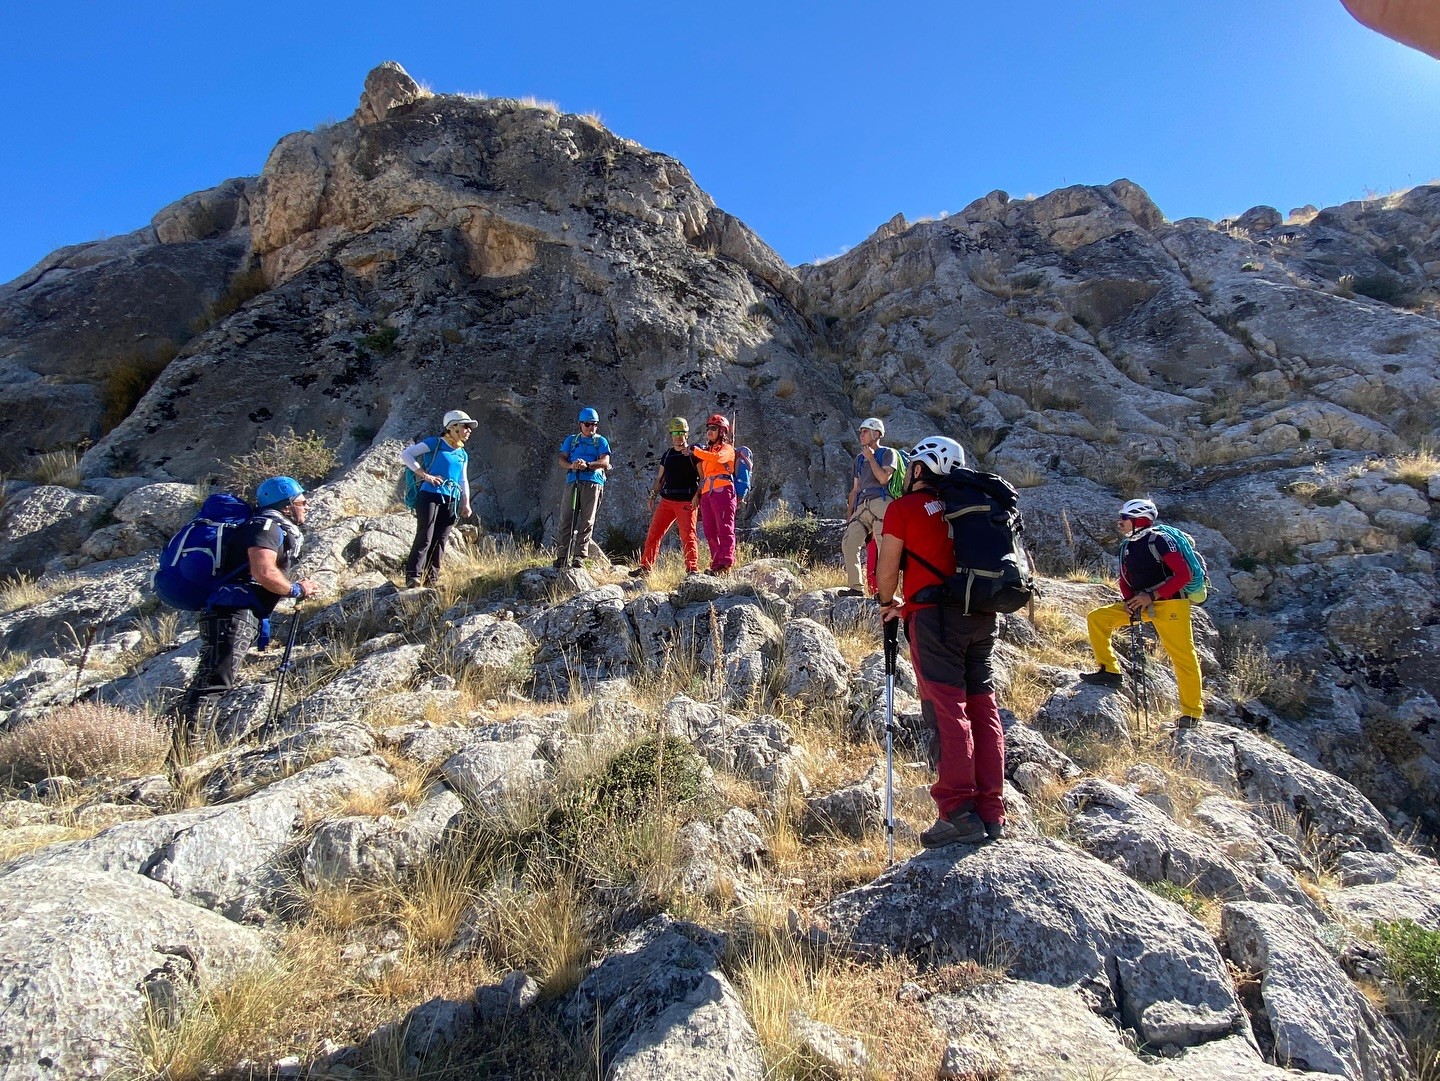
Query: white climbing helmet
{"x": 459, "y": 416}
{"x": 1140, "y": 508}
{"x": 939, "y": 454}
{"x": 875, "y": 424}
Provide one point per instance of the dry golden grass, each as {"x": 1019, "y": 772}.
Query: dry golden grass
{"x": 12, "y": 661}
{"x": 23, "y": 591}
{"x": 1416, "y": 469}
{"x": 21, "y": 840}
{"x": 470, "y": 572}
{"x": 777, "y": 976}
{"x": 83, "y": 740}
{"x": 310, "y": 995}
{"x": 60, "y": 467}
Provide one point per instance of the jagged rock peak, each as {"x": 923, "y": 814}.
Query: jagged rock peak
{"x": 387, "y": 86}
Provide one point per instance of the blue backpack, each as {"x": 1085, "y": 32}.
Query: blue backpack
{"x": 744, "y": 468}
{"x": 199, "y": 558}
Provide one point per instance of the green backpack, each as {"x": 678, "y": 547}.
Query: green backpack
{"x": 897, "y": 478}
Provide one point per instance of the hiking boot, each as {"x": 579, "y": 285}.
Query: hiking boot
{"x": 848, "y": 592}
{"x": 1187, "y": 721}
{"x": 1103, "y": 678}
{"x": 412, "y": 583}
{"x": 575, "y": 564}
{"x": 964, "y": 828}
{"x": 639, "y": 572}
{"x": 995, "y": 830}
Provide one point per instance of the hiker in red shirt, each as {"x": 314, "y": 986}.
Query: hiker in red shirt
{"x": 717, "y": 493}
{"x": 951, "y": 653}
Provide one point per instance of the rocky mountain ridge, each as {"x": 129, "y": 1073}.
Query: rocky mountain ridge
{"x": 1271, "y": 381}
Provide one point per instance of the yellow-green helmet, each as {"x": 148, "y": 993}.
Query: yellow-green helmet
{"x": 679, "y": 426}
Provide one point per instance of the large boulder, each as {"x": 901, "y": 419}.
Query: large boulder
{"x": 660, "y": 1006}
{"x": 1318, "y": 1019}
{"x": 232, "y": 859}
{"x": 1032, "y": 1032}
{"x": 1330, "y": 808}
{"x": 102, "y": 596}
{"x": 1049, "y": 914}
{"x": 87, "y": 953}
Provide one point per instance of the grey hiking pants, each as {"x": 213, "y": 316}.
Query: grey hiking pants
{"x": 577, "y": 514}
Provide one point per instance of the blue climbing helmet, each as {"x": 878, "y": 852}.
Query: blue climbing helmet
{"x": 589, "y": 416}
{"x": 277, "y": 491}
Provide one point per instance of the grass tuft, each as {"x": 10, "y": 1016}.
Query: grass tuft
{"x": 83, "y": 740}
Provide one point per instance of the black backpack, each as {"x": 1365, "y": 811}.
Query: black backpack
{"x": 992, "y": 571}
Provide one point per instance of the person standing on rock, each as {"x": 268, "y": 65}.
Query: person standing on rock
{"x": 441, "y": 465}
{"x": 717, "y": 492}
{"x": 869, "y": 497}
{"x": 1153, "y": 574}
{"x": 586, "y": 458}
{"x": 271, "y": 541}
{"x": 672, "y": 500}
{"x": 952, "y": 654}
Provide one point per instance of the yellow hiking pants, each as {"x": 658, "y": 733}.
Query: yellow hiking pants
{"x": 1172, "y": 623}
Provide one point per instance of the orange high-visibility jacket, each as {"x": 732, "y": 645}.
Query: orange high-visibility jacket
{"x": 717, "y": 467}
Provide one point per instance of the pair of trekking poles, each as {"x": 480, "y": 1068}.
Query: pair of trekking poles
{"x": 281, "y": 672}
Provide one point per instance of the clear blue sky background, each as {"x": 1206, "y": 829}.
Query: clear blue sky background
{"x": 814, "y": 122}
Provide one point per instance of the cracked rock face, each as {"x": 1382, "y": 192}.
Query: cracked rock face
{"x": 79, "y": 944}
{"x": 1051, "y": 916}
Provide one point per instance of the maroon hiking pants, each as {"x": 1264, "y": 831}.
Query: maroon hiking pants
{"x": 952, "y": 658}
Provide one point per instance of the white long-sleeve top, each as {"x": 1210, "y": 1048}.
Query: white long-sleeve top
{"x": 417, "y": 455}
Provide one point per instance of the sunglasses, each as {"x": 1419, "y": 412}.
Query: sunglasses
{"x": 588, "y": 423}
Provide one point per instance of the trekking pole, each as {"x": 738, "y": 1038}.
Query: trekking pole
{"x": 574, "y": 522}
{"x": 1138, "y": 674}
{"x": 280, "y": 673}
{"x": 892, "y": 635}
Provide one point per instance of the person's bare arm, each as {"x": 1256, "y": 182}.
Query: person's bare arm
{"x": 1411, "y": 22}
{"x": 887, "y": 574}
{"x": 268, "y": 575}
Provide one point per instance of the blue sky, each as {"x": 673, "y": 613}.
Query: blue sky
{"x": 814, "y": 122}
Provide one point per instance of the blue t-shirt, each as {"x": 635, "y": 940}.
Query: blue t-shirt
{"x": 448, "y": 464}
{"x": 588, "y": 447}
{"x": 869, "y": 489}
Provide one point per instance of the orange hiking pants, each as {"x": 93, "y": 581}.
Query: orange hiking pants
{"x": 682, "y": 513}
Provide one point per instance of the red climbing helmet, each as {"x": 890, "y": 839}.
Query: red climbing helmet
{"x": 717, "y": 421}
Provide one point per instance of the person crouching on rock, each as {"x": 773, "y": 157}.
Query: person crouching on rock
{"x": 586, "y": 458}
{"x": 951, "y": 652}
{"x": 673, "y": 497}
{"x": 271, "y": 541}
{"x": 441, "y": 464}
{"x": 717, "y": 493}
{"x": 1153, "y": 574}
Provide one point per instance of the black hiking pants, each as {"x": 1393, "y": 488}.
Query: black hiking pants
{"x": 434, "y": 518}
{"x": 226, "y": 634}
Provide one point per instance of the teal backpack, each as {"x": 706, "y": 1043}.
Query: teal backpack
{"x": 412, "y": 482}
{"x": 1199, "y": 588}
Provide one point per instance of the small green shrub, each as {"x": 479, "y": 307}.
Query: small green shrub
{"x": 1414, "y": 956}
{"x": 382, "y": 341}
{"x": 308, "y": 458}
{"x": 761, "y": 310}
{"x": 1245, "y": 563}
{"x": 631, "y": 785}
